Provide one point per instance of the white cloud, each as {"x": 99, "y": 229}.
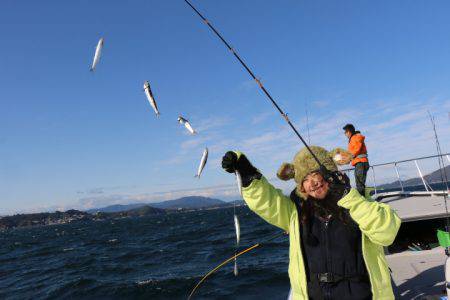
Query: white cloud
{"x": 321, "y": 103}
{"x": 261, "y": 117}
{"x": 195, "y": 142}
{"x": 248, "y": 85}
{"x": 212, "y": 123}
{"x": 262, "y": 140}
{"x": 401, "y": 119}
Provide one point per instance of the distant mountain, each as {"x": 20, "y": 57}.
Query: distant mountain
{"x": 40, "y": 219}
{"x": 145, "y": 210}
{"x": 192, "y": 202}
{"x": 116, "y": 208}
{"x": 58, "y": 217}
{"x": 434, "y": 177}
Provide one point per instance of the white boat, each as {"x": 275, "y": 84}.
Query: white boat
{"x": 416, "y": 260}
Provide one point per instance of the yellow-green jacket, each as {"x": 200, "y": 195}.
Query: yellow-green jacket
{"x": 377, "y": 222}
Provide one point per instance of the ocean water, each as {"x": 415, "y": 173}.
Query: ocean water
{"x": 158, "y": 257}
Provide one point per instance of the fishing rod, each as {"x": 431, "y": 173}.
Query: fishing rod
{"x": 236, "y": 55}
{"x": 443, "y": 173}
{"x": 445, "y": 195}
{"x": 232, "y": 258}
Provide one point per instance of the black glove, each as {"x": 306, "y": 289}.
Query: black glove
{"x": 231, "y": 164}
{"x": 339, "y": 183}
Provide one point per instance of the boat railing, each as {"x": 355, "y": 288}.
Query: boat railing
{"x": 395, "y": 164}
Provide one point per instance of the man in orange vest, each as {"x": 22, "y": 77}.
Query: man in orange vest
{"x": 360, "y": 161}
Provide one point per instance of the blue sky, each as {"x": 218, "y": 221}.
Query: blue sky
{"x": 74, "y": 139}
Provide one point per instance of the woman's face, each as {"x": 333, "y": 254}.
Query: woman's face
{"x": 315, "y": 186}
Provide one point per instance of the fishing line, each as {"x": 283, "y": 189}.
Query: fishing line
{"x": 237, "y": 226}
{"x": 232, "y": 258}
{"x": 445, "y": 195}
{"x": 307, "y": 123}
{"x": 235, "y": 271}
{"x": 284, "y": 115}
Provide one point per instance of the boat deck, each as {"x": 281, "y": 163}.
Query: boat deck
{"x": 416, "y": 206}
{"x": 417, "y": 274}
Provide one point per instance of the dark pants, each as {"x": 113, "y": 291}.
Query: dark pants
{"x": 360, "y": 176}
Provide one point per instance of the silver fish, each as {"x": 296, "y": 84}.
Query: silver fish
{"x": 237, "y": 227}
{"x": 239, "y": 182}
{"x": 202, "y": 163}
{"x": 98, "y": 52}
{"x": 150, "y": 98}
{"x": 186, "y": 124}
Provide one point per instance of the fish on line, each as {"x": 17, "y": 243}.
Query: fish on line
{"x": 186, "y": 124}
{"x": 98, "y": 52}
{"x": 150, "y": 97}
{"x": 202, "y": 163}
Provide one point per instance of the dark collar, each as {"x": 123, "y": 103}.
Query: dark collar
{"x": 295, "y": 198}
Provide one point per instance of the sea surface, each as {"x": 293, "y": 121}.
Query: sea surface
{"x": 156, "y": 257}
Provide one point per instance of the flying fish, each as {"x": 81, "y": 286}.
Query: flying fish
{"x": 202, "y": 163}
{"x": 186, "y": 124}
{"x": 150, "y": 98}
{"x": 98, "y": 52}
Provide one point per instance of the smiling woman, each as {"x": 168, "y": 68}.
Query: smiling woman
{"x": 336, "y": 235}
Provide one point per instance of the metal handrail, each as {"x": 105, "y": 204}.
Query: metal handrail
{"x": 398, "y": 177}
{"x": 425, "y": 184}
{"x": 402, "y": 161}
{"x": 374, "y": 180}
{"x": 395, "y": 163}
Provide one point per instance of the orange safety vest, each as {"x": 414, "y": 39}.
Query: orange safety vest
{"x": 357, "y": 148}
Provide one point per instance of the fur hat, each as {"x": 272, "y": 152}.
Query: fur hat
{"x": 304, "y": 164}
